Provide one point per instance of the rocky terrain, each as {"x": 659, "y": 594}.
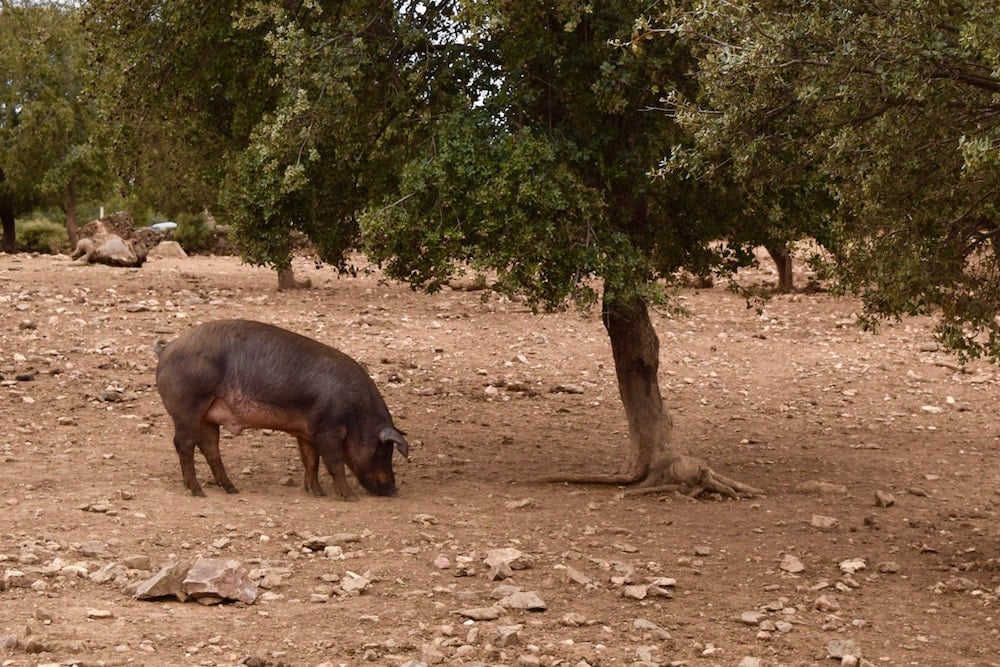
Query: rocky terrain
{"x": 877, "y": 543}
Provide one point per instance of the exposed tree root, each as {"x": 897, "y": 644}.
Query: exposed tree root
{"x": 683, "y": 474}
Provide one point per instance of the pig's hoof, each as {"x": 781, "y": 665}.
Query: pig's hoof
{"x": 198, "y": 492}
{"x": 231, "y": 489}
{"x": 349, "y": 497}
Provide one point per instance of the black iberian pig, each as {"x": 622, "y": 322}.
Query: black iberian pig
{"x": 242, "y": 374}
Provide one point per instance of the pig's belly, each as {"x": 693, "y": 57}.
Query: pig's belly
{"x": 235, "y": 413}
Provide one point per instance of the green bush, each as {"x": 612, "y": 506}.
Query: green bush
{"x": 41, "y": 235}
{"x": 192, "y": 232}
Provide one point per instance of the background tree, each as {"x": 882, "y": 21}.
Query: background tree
{"x": 182, "y": 87}
{"x": 358, "y": 84}
{"x": 891, "y": 110}
{"x": 278, "y": 116}
{"x": 543, "y": 179}
{"x": 48, "y": 147}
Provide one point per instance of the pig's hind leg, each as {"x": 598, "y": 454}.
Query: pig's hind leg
{"x": 208, "y": 442}
{"x": 310, "y": 461}
{"x": 330, "y": 446}
{"x": 185, "y": 440}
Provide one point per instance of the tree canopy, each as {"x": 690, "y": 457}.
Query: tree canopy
{"x": 50, "y": 149}
{"x": 884, "y": 117}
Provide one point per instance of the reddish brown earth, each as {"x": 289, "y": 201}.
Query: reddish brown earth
{"x": 793, "y": 395}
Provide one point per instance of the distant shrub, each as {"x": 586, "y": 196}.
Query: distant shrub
{"x": 193, "y": 233}
{"x": 41, "y": 235}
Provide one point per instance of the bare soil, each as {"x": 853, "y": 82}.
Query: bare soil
{"x": 792, "y": 395}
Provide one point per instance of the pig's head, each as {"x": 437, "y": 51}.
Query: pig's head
{"x": 372, "y": 462}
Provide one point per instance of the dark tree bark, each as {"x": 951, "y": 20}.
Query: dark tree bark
{"x": 782, "y": 257}
{"x": 69, "y": 208}
{"x": 635, "y": 348}
{"x": 9, "y": 233}
{"x": 654, "y": 462}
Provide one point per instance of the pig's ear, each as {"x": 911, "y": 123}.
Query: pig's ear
{"x": 394, "y": 437}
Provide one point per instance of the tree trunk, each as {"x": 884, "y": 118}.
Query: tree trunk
{"x": 9, "y": 231}
{"x": 69, "y": 208}
{"x": 635, "y": 348}
{"x": 654, "y": 461}
{"x": 287, "y": 280}
{"x": 783, "y": 260}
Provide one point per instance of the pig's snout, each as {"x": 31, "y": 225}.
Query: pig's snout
{"x": 380, "y": 482}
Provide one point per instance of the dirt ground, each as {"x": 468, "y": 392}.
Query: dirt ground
{"x": 793, "y": 395}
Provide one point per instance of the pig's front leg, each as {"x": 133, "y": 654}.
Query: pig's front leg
{"x": 310, "y": 461}
{"x": 330, "y": 445}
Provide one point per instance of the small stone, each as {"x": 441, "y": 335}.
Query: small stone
{"x": 826, "y": 603}
{"x": 636, "y": 591}
{"x": 508, "y": 635}
{"x": 702, "y": 551}
{"x": 99, "y": 614}
{"x": 652, "y": 628}
{"x": 823, "y": 522}
{"x": 752, "y": 618}
{"x": 932, "y": 409}
{"x": 353, "y": 583}
{"x": 514, "y": 558}
{"x": 108, "y": 572}
{"x": 888, "y": 567}
{"x": 839, "y": 648}
{"x": 137, "y": 562}
{"x": 500, "y": 572}
{"x": 219, "y": 578}
{"x": 750, "y": 662}
{"x": 442, "y": 563}
{"x": 431, "y": 655}
{"x": 528, "y": 600}
{"x": 567, "y": 389}
{"x": 480, "y": 613}
{"x": 573, "y": 620}
{"x": 577, "y": 577}
{"x": 884, "y": 499}
{"x": 791, "y": 564}
{"x": 853, "y": 565}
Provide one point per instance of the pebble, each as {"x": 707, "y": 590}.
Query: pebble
{"x": 840, "y": 648}
{"x": 508, "y": 635}
{"x": 826, "y": 603}
{"x": 577, "y": 577}
{"x": 528, "y": 600}
{"x": 353, "y": 583}
{"x": 652, "y": 628}
{"x": 822, "y": 522}
{"x": 791, "y": 564}
{"x": 852, "y": 565}
{"x": 752, "y": 618}
{"x": 480, "y": 613}
{"x": 515, "y": 559}
{"x": 884, "y": 499}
